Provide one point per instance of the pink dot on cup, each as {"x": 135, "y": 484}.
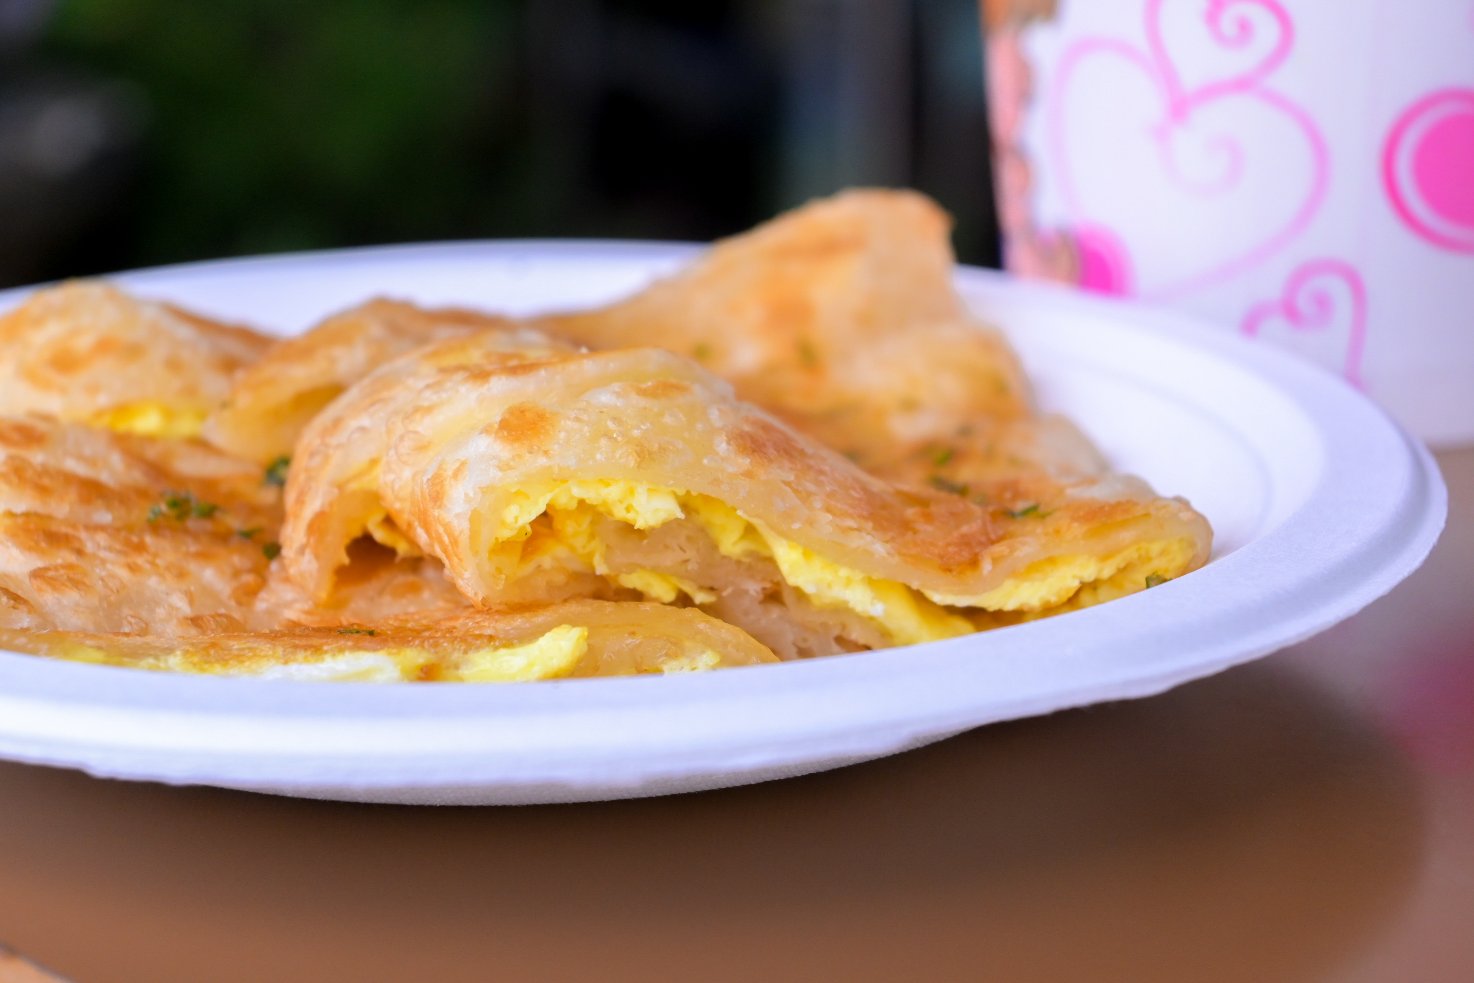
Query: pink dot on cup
{"x": 1443, "y": 167}
{"x": 1105, "y": 265}
{"x": 1427, "y": 165}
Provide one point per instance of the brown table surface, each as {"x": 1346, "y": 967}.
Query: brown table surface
{"x": 1307, "y": 817}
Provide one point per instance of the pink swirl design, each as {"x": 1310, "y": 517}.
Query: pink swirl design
{"x": 1309, "y": 304}
{"x": 1230, "y": 27}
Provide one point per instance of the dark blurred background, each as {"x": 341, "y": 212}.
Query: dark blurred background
{"x": 138, "y": 132}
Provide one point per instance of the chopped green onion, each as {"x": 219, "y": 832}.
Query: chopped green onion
{"x": 276, "y": 471}
{"x": 943, "y": 483}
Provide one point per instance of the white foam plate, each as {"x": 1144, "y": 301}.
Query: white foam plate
{"x": 1320, "y": 505}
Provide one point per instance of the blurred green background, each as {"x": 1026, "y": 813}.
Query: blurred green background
{"x": 139, "y": 132}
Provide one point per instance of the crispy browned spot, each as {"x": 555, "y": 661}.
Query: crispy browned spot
{"x": 764, "y": 444}
{"x": 61, "y": 578}
{"x": 213, "y": 624}
{"x": 20, "y": 435}
{"x": 525, "y": 425}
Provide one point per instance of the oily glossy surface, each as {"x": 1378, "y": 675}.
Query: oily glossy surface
{"x": 1302, "y": 818}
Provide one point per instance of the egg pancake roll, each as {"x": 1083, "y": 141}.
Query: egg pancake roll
{"x": 639, "y": 470}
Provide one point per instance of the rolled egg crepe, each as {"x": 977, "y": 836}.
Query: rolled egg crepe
{"x": 86, "y": 351}
{"x": 272, "y": 400}
{"x": 575, "y": 638}
{"x": 559, "y": 470}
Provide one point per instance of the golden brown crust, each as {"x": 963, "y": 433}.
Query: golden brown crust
{"x": 85, "y": 348}
{"x": 272, "y": 401}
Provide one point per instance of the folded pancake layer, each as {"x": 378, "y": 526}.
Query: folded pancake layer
{"x": 88, "y": 352}
{"x": 109, "y": 531}
{"x": 576, "y": 638}
{"x": 165, "y": 580}
{"x": 840, "y": 318}
{"x": 85, "y": 474}
{"x": 272, "y": 400}
{"x": 641, "y": 468}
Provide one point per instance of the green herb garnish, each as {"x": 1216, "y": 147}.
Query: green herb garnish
{"x": 180, "y": 506}
{"x": 702, "y": 351}
{"x": 807, "y": 353}
{"x": 941, "y": 457}
{"x": 276, "y": 471}
{"x": 1026, "y": 511}
{"x": 1153, "y": 579}
{"x": 942, "y": 483}
{"x": 271, "y": 550}
{"x": 249, "y": 533}
{"x": 357, "y": 631}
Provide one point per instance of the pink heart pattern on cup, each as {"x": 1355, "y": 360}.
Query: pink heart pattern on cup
{"x": 1215, "y": 139}
{"x": 1322, "y": 313}
{"x": 1428, "y": 168}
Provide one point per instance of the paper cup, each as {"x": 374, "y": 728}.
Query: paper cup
{"x": 1299, "y": 172}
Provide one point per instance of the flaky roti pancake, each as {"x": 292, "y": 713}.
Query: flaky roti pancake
{"x": 166, "y": 579}
{"x": 572, "y": 639}
{"x": 841, "y": 318}
{"x": 641, "y": 468}
{"x": 272, "y": 400}
{"x": 101, "y": 477}
{"x": 108, "y": 531}
{"x": 88, "y": 352}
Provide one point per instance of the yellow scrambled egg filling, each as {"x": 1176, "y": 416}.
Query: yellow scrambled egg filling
{"x": 550, "y": 656}
{"x": 382, "y": 530}
{"x": 907, "y": 615}
{"x": 152, "y": 419}
{"x": 1080, "y": 580}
